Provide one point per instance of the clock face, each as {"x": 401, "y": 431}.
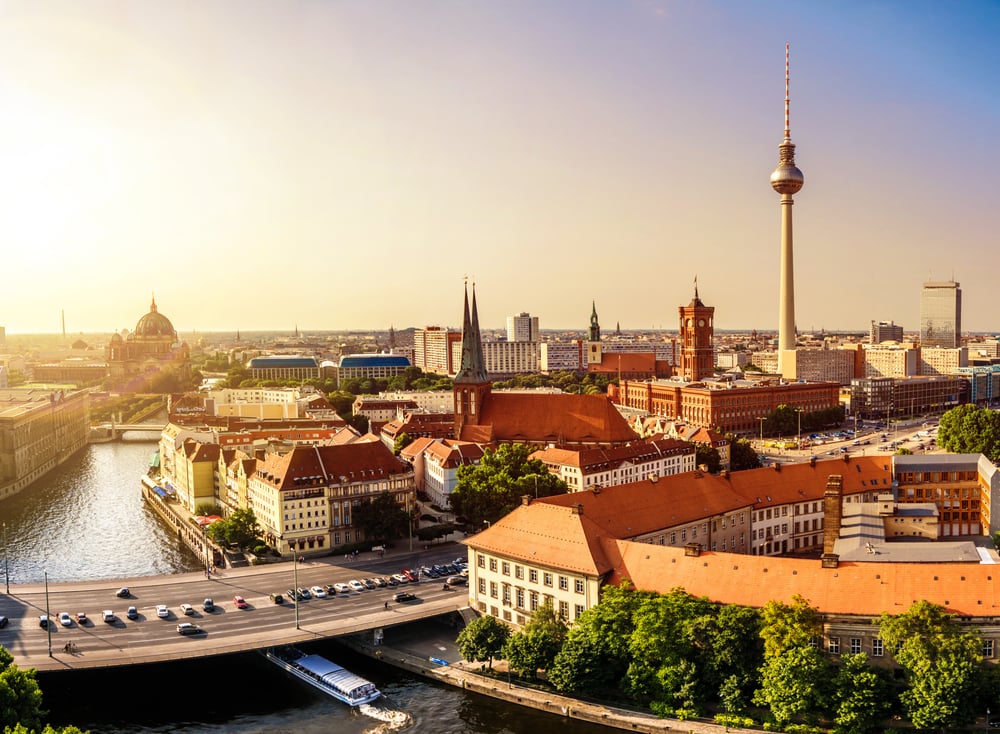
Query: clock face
{"x": 701, "y": 322}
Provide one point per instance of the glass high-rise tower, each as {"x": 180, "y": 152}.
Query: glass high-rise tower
{"x": 941, "y": 315}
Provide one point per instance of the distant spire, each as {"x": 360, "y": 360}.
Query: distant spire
{"x": 788, "y": 127}
{"x": 696, "y": 287}
{"x": 152, "y": 307}
{"x": 472, "y": 369}
{"x": 595, "y": 326}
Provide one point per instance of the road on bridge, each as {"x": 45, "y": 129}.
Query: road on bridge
{"x": 227, "y": 629}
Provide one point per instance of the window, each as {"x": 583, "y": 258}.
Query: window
{"x": 547, "y": 579}
{"x": 578, "y": 586}
{"x": 533, "y": 575}
{"x": 482, "y": 585}
{"x": 987, "y": 648}
{"x": 564, "y": 583}
{"x": 493, "y": 564}
{"x": 855, "y": 645}
{"x": 564, "y": 609}
{"x": 533, "y": 598}
{"x": 519, "y": 572}
{"x": 520, "y": 598}
{"x": 877, "y": 649}
{"x": 834, "y": 646}
{"x": 493, "y": 589}
{"x": 505, "y": 568}
{"x": 577, "y": 611}
{"x": 481, "y": 561}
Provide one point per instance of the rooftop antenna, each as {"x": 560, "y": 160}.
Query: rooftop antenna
{"x": 788, "y": 129}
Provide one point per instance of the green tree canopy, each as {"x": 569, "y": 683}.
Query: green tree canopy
{"x": 969, "y": 429}
{"x": 942, "y": 662}
{"x": 483, "y": 639}
{"x": 381, "y": 518}
{"x": 742, "y": 454}
{"x": 860, "y": 695}
{"x": 239, "y": 529}
{"x": 707, "y": 456}
{"x": 489, "y": 490}
{"x": 537, "y": 643}
{"x": 20, "y": 696}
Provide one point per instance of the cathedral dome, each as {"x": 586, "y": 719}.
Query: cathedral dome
{"x": 154, "y": 324}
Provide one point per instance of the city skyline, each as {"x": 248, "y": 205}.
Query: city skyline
{"x": 224, "y": 156}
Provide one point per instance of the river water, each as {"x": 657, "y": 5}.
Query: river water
{"x": 87, "y": 520}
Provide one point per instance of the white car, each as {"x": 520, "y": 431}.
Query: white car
{"x": 318, "y": 591}
{"x": 400, "y": 578}
{"x": 342, "y": 588}
{"x": 162, "y": 611}
{"x": 187, "y": 609}
{"x": 356, "y": 585}
{"x": 64, "y": 619}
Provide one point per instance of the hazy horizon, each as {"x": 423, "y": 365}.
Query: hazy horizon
{"x": 328, "y": 165}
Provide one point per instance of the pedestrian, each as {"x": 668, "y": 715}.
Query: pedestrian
{"x": 387, "y": 605}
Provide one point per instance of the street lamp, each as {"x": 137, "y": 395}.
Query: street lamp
{"x": 6, "y": 559}
{"x": 762, "y": 432}
{"x": 295, "y": 584}
{"x": 487, "y": 523}
{"x": 204, "y": 538}
{"x": 798, "y": 440}
{"x": 48, "y": 617}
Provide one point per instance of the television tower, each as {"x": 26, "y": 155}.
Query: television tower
{"x": 787, "y": 179}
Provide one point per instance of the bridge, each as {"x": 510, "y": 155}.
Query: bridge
{"x": 102, "y": 432}
{"x": 150, "y": 639}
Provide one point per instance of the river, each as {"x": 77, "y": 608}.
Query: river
{"x": 87, "y": 520}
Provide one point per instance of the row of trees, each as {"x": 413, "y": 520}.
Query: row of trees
{"x": 786, "y": 420}
{"x": 969, "y": 429}
{"x": 684, "y": 656}
{"x": 565, "y": 380}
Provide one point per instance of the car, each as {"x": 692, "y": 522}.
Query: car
{"x": 379, "y": 582}
{"x": 186, "y": 628}
{"x": 162, "y": 611}
{"x": 64, "y": 619}
{"x": 3, "y": 621}
{"x": 369, "y": 583}
{"x": 81, "y": 618}
{"x": 318, "y": 591}
{"x": 391, "y": 581}
{"x": 277, "y": 598}
{"x": 240, "y": 602}
{"x": 404, "y": 596}
{"x": 457, "y": 581}
{"x": 108, "y": 616}
{"x": 304, "y": 594}
{"x": 460, "y": 561}
{"x": 123, "y": 593}
{"x": 430, "y": 572}
{"x": 187, "y": 609}
{"x": 43, "y": 621}
{"x": 132, "y": 613}
{"x": 411, "y": 574}
{"x": 400, "y": 578}
{"x": 356, "y": 585}
{"x": 292, "y": 595}
{"x": 342, "y": 588}
{"x": 331, "y": 589}
{"x": 208, "y": 605}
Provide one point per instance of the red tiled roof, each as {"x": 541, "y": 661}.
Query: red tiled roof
{"x": 610, "y": 458}
{"x": 865, "y": 589}
{"x": 541, "y": 419}
{"x": 321, "y": 465}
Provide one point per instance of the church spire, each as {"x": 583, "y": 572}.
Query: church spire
{"x": 472, "y": 370}
{"x": 595, "y": 327}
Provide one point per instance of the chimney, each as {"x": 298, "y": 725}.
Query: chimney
{"x": 577, "y": 509}
{"x": 654, "y": 478}
{"x": 812, "y": 461}
{"x": 725, "y": 474}
{"x": 525, "y": 499}
{"x": 777, "y": 466}
{"x": 832, "y": 511}
{"x": 830, "y": 560}
{"x": 692, "y": 549}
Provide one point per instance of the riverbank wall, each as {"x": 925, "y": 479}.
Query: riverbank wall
{"x": 467, "y": 676}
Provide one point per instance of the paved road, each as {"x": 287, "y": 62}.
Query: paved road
{"x": 227, "y": 629}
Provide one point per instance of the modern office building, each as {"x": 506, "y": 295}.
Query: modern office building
{"x": 891, "y": 360}
{"x": 432, "y": 349}
{"x": 941, "y": 315}
{"x": 522, "y": 328}
{"x": 885, "y": 331}
{"x": 942, "y": 361}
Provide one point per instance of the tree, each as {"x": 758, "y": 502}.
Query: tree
{"x": 381, "y": 518}
{"x": 741, "y": 454}
{"x": 859, "y": 695}
{"x": 239, "y": 529}
{"x": 794, "y": 670}
{"x": 489, "y": 490}
{"x": 20, "y": 696}
{"x": 942, "y": 662}
{"x": 483, "y": 639}
{"x": 595, "y": 656}
{"x": 969, "y": 429}
{"x": 707, "y": 456}
{"x": 537, "y": 643}
{"x": 402, "y": 441}
{"x": 733, "y": 652}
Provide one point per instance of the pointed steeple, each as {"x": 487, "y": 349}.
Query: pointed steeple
{"x": 595, "y": 327}
{"x": 472, "y": 370}
{"x": 152, "y": 306}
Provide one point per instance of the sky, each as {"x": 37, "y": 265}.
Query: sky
{"x": 334, "y": 164}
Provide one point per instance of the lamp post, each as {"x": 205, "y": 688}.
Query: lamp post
{"x": 48, "y": 617}
{"x": 762, "y": 432}
{"x": 6, "y": 559}
{"x": 409, "y": 521}
{"x": 295, "y": 585}
{"x": 204, "y": 539}
{"x": 798, "y": 440}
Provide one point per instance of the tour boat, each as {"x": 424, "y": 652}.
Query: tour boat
{"x": 324, "y": 675}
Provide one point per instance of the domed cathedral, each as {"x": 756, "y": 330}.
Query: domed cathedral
{"x": 152, "y": 348}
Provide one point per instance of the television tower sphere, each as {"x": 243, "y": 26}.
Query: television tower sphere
{"x": 787, "y": 178}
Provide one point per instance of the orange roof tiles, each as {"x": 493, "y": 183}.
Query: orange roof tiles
{"x": 562, "y": 418}
{"x": 354, "y": 462}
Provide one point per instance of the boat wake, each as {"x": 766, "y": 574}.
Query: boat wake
{"x": 390, "y": 719}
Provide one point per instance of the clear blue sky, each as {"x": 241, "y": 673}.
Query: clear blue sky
{"x": 339, "y": 165}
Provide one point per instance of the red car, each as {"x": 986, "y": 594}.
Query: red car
{"x": 240, "y": 602}
{"x": 410, "y": 574}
